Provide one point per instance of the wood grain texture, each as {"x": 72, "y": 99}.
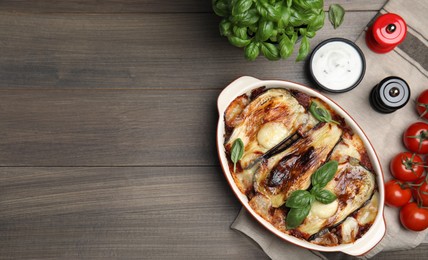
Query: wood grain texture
{"x": 145, "y": 6}
{"x": 108, "y": 127}
{"x": 120, "y": 213}
{"x": 126, "y": 213}
{"x": 167, "y": 51}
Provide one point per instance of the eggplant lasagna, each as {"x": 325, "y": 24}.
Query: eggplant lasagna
{"x": 284, "y": 142}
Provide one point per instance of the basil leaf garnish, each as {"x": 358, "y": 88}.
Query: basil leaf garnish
{"x": 315, "y": 189}
{"x": 324, "y": 174}
{"x": 295, "y": 217}
{"x": 325, "y": 196}
{"x": 299, "y": 199}
{"x": 236, "y": 152}
{"x": 320, "y": 113}
{"x": 336, "y": 14}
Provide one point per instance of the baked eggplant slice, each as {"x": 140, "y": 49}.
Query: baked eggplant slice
{"x": 291, "y": 169}
{"x": 261, "y": 124}
{"x": 353, "y": 186}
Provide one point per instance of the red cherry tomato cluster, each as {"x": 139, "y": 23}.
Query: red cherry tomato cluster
{"x": 409, "y": 188}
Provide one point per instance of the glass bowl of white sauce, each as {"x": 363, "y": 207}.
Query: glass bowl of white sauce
{"x": 337, "y": 65}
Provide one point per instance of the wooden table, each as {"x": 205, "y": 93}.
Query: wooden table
{"x": 107, "y": 123}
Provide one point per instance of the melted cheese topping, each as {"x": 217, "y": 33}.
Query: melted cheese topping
{"x": 368, "y": 213}
{"x": 349, "y": 230}
{"x": 324, "y": 210}
{"x": 271, "y": 134}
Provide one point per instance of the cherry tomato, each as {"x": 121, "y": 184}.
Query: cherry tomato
{"x": 406, "y": 166}
{"x": 396, "y": 195}
{"x": 415, "y": 138}
{"x": 422, "y": 104}
{"x": 420, "y": 191}
{"x": 413, "y": 217}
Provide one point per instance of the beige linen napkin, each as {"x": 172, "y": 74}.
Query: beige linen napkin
{"x": 408, "y": 61}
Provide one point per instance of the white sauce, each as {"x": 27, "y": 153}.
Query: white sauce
{"x": 337, "y": 65}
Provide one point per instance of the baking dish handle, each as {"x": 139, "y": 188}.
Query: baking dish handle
{"x": 232, "y": 91}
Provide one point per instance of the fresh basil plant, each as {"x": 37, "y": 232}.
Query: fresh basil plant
{"x": 270, "y": 27}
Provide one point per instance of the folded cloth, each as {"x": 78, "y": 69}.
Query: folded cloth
{"x": 409, "y": 61}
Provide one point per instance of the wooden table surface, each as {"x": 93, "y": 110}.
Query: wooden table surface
{"x": 107, "y": 123}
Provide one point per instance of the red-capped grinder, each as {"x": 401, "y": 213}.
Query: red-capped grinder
{"x": 388, "y": 31}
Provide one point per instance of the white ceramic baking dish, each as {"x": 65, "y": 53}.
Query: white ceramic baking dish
{"x": 244, "y": 85}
